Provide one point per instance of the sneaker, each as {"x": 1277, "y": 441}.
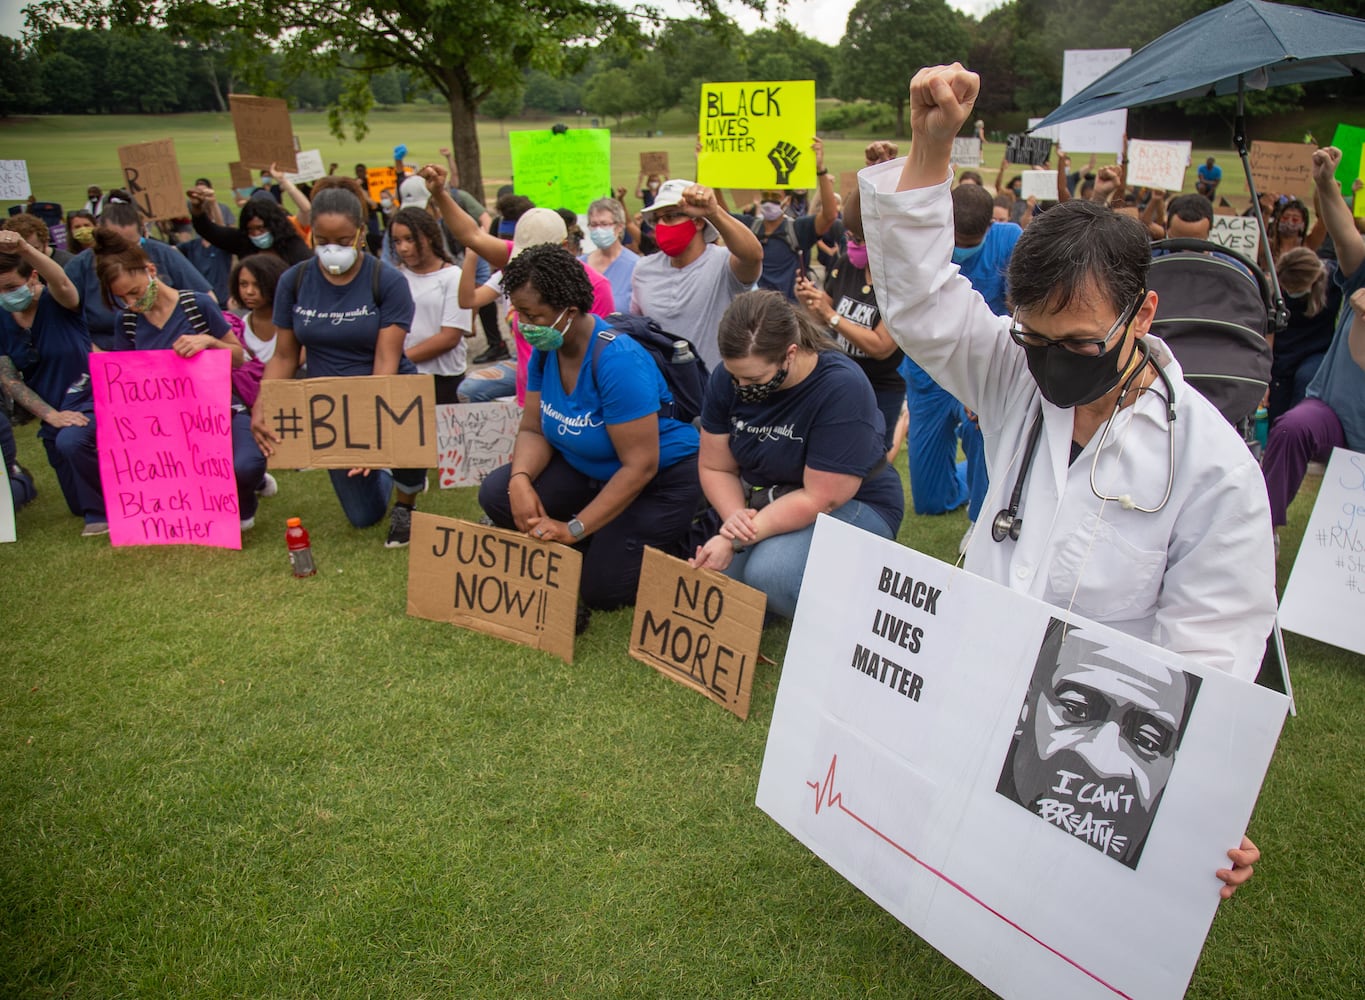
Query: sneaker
{"x": 581, "y": 619}
{"x": 269, "y": 487}
{"x": 93, "y": 529}
{"x": 248, "y": 523}
{"x": 966, "y": 539}
{"x": 495, "y": 352}
{"x": 400, "y": 527}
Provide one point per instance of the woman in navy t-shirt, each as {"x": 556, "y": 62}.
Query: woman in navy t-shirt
{"x": 790, "y": 430}
{"x": 150, "y": 315}
{"x": 353, "y": 322}
{"x": 595, "y": 465}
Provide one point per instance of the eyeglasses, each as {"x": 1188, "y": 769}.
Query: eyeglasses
{"x": 1086, "y": 346}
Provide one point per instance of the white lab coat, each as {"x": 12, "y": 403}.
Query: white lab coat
{"x": 1197, "y": 577}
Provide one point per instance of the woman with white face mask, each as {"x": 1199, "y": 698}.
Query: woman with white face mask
{"x": 352, "y": 312}
{"x": 609, "y": 258}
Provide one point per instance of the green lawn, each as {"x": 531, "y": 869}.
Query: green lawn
{"x": 219, "y": 781}
{"x": 66, "y": 154}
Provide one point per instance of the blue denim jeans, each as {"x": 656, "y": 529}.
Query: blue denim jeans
{"x": 777, "y": 564}
{"x": 365, "y": 499}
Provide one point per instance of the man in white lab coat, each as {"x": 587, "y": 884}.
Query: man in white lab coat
{"x": 1136, "y": 504}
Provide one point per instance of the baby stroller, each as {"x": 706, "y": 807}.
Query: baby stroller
{"x": 1215, "y": 317}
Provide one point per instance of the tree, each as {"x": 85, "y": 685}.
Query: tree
{"x": 883, "y": 37}
{"x": 466, "y": 49}
{"x": 611, "y": 92}
{"x": 17, "y": 78}
{"x": 503, "y": 104}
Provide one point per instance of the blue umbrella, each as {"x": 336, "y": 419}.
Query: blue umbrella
{"x": 1240, "y": 45}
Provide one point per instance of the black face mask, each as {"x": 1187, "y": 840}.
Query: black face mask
{"x": 1066, "y": 379}
{"x": 757, "y": 393}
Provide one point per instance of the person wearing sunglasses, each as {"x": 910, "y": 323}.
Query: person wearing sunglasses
{"x": 1123, "y": 494}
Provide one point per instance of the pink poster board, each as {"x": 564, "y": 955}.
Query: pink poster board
{"x": 163, "y": 426}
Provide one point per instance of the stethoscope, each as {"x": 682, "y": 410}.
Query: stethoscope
{"x": 1008, "y": 523}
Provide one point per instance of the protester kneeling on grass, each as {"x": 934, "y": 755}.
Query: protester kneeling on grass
{"x": 152, "y": 316}
{"x": 1122, "y": 493}
{"x": 790, "y": 430}
{"x": 595, "y": 465}
{"x": 353, "y": 322}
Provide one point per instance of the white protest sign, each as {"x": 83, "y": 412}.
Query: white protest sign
{"x": 14, "y": 184}
{"x": 1326, "y": 591}
{"x": 310, "y": 167}
{"x": 1098, "y": 133}
{"x": 1052, "y": 132}
{"x": 1158, "y": 165}
{"x": 1040, "y": 184}
{"x": 1237, "y": 232}
{"x": 7, "y": 529}
{"x": 473, "y": 439}
{"x": 966, "y": 152}
{"x": 937, "y": 739}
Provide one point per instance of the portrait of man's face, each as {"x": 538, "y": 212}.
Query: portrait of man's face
{"x": 1096, "y": 742}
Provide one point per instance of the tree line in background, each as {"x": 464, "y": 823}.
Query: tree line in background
{"x": 498, "y": 59}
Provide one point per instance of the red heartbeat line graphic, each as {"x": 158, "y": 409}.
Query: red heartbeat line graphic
{"x": 825, "y": 795}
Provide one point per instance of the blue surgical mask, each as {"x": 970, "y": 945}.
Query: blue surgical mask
{"x": 17, "y": 299}
{"x": 264, "y": 241}
{"x": 544, "y": 338}
{"x": 602, "y": 236}
{"x": 963, "y": 254}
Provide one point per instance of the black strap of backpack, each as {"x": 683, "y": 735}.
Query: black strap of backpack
{"x": 196, "y": 316}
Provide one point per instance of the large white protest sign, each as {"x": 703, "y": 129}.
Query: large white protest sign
{"x": 1098, "y": 133}
{"x": 1326, "y": 589}
{"x": 1052, "y": 132}
{"x": 1040, "y": 184}
{"x": 966, "y": 152}
{"x": 14, "y": 185}
{"x": 473, "y": 439}
{"x": 1043, "y": 799}
{"x": 1158, "y": 165}
{"x": 7, "y": 528}
{"x": 1237, "y": 232}
{"x": 310, "y": 167}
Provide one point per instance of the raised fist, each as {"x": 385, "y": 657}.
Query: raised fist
{"x": 784, "y": 157}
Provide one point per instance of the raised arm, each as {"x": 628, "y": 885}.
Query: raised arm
{"x": 465, "y": 229}
{"x": 829, "y": 210}
{"x": 59, "y": 286}
{"x": 746, "y": 253}
{"x": 1340, "y": 223}
{"x": 295, "y": 195}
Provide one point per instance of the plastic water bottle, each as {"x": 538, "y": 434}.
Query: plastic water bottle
{"x": 300, "y": 552}
{"x": 682, "y": 353}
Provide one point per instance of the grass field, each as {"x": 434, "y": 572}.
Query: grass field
{"x": 219, "y": 781}
{"x": 67, "y": 154}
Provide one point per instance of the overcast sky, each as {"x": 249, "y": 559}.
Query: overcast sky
{"x": 822, "y": 19}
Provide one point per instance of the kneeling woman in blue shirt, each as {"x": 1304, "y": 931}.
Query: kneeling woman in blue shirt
{"x": 790, "y": 430}
{"x": 595, "y": 465}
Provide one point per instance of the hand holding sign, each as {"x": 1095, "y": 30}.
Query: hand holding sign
{"x": 941, "y": 100}
{"x": 784, "y": 157}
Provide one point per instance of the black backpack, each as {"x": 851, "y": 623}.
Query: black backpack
{"x": 675, "y": 357}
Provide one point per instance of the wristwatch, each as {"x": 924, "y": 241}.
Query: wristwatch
{"x": 833, "y": 321}
{"x": 576, "y": 528}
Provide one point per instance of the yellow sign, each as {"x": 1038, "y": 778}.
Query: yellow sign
{"x": 757, "y": 135}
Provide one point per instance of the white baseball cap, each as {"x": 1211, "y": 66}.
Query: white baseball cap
{"x": 413, "y": 192}
{"x": 537, "y": 226}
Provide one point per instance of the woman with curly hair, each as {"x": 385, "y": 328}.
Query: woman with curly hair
{"x": 263, "y": 226}
{"x": 598, "y": 463}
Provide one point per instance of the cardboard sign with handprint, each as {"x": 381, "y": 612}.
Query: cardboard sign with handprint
{"x": 757, "y": 135}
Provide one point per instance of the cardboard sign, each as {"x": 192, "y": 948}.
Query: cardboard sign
{"x": 163, "y": 429}
{"x": 1237, "y": 232}
{"x": 570, "y": 170}
{"x": 473, "y": 439}
{"x": 941, "y": 742}
{"x": 151, "y": 175}
{"x": 7, "y": 525}
{"x": 381, "y": 179}
{"x": 698, "y": 628}
{"x": 1283, "y": 168}
{"x": 1040, "y": 184}
{"x": 241, "y": 175}
{"x": 848, "y": 183}
{"x": 654, "y": 163}
{"x": 311, "y": 167}
{"x": 1348, "y": 139}
{"x": 264, "y": 134}
{"x": 1027, "y": 150}
{"x": 501, "y": 583}
{"x": 1099, "y": 133}
{"x": 1325, "y": 596}
{"x": 966, "y": 152}
{"x": 14, "y": 185}
{"x": 757, "y": 135}
{"x": 1159, "y": 165}
{"x": 361, "y": 422}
